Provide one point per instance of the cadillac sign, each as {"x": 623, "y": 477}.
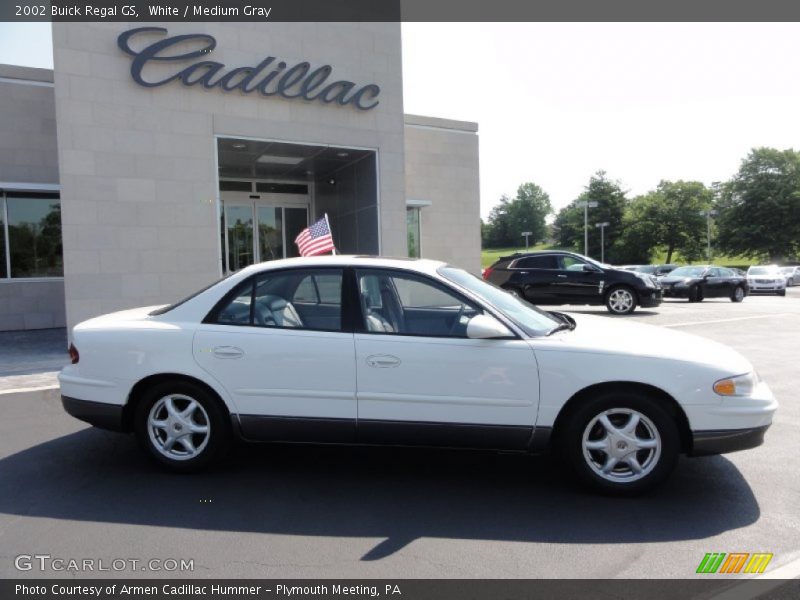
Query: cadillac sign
{"x": 270, "y": 77}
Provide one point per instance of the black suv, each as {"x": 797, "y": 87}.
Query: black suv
{"x": 568, "y": 278}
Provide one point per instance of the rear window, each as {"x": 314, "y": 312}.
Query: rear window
{"x": 536, "y": 262}
{"x": 169, "y": 307}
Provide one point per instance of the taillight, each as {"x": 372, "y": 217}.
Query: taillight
{"x": 487, "y": 272}
{"x": 73, "y": 354}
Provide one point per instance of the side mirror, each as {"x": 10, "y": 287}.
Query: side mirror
{"x": 484, "y": 327}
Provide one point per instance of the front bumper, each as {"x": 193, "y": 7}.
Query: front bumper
{"x": 722, "y": 441}
{"x": 99, "y": 414}
{"x": 676, "y": 292}
{"x": 649, "y": 298}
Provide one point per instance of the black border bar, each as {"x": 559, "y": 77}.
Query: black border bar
{"x": 398, "y": 10}
{"x": 704, "y": 588}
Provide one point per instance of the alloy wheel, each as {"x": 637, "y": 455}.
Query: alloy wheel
{"x": 620, "y": 301}
{"x": 621, "y": 445}
{"x": 179, "y": 427}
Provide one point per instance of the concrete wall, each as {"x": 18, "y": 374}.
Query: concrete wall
{"x": 28, "y": 155}
{"x": 442, "y": 168}
{"x": 138, "y": 165}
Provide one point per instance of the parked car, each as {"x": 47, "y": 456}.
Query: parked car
{"x": 766, "y": 279}
{"x": 345, "y": 349}
{"x": 557, "y": 277}
{"x": 656, "y": 270}
{"x": 792, "y": 275}
{"x": 698, "y": 282}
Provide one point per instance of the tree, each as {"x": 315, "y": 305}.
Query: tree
{"x": 759, "y": 209}
{"x": 670, "y": 217}
{"x": 510, "y": 218}
{"x": 611, "y": 202}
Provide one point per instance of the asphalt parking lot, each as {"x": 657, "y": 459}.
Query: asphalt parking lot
{"x": 70, "y": 491}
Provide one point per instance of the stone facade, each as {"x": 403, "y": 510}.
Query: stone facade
{"x": 28, "y": 158}
{"x": 137, "y": 166}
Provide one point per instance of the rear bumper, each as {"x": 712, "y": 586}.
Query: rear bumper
{"x": 99, "y": 414}
{"x": 726, "y": 440}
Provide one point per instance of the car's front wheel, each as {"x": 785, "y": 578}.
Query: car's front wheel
{"x": 782, "y": 293}
{"x": 621, "y": 443}
{"x": 181, "y": 425}
{"x": 621, "y": 300}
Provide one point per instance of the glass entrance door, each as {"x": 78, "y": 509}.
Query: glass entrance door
{"x": 256, "y": 230}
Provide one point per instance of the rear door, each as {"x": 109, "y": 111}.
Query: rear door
{"x": 716, "y": 284}
{"x": 284, "y": 356}
{"x": 534, "y": 277}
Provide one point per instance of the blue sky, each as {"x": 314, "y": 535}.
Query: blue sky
{"x": 557, "y": 102}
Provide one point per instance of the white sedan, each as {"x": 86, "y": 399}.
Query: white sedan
{"x": 362, "y": 350}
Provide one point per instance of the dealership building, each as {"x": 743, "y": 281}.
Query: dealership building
{"x": 153, "y": 160}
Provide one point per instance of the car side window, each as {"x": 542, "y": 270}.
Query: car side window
{"x": 570, "y": 263}
{"x": 292, "y": 299}
{"x": 536, "y": 262}
{"x": 405, "y": 304}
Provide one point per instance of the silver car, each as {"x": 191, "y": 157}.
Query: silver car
{"x": 766, "y": 279}
{"x": 792, "y": 275}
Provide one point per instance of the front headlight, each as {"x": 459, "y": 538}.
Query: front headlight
{"x": 741, "y": 385}
{"x": 648, "y": 280}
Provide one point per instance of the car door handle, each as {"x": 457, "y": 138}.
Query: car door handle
{"x": 228, "y": 352}
{"x": 383, "y": 361}
{"x": 564, "y": 276}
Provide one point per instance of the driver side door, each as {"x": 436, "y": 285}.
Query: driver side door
{"x": 420, "y": 380}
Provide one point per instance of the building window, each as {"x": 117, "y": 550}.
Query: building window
{"x": 30, "y": 232}
{"x": 412, "y": 224}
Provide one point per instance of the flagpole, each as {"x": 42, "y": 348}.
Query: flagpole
{"x": 328, "y": 223}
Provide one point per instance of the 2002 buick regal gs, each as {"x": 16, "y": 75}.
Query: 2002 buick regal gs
{"x": 364, "y": 350}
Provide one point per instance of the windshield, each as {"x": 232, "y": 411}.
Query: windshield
{"x": 787, "y": 269}
{"x": 762, "y": 271}
{"x": 688, "y": 272}
{"x": 532, "y": 320}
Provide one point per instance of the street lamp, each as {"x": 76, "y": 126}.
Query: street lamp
{"x": 526, "y": 234}
{"x": 708, "y": 214}
{"x": 602, "y": 227}
{"x": 586, "y": 205}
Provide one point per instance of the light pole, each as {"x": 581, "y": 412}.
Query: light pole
{"x": 708, "y": 214}
{"x": 586, "y": 205}
{"x": 602, "y": 227}
{"x": 526, "y": 234}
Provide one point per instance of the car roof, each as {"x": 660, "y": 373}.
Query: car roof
{"x": 421, "y": 265}
{"x": 517, "y": 255}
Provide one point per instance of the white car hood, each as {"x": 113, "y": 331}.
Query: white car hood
{"x": 612, "y": 335}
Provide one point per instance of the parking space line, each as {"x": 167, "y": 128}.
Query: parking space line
{"x": 687, "y": 323}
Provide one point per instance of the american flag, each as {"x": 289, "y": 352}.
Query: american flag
{"x": 316, "y": 239}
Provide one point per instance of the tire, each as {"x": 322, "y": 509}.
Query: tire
{"x": 695, "y": 294}
{"x": 782, "y": 293}
{"x": 587, "y": 448}
{"x": 738, "y": 294}
{"x": 168, "y": 443}
{"x": 620, "y": 300}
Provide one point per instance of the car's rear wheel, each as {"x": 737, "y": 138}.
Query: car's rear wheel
{"x": 182, "y": 426}
{"x": 621, "y": 443}
{"x": 738, "y": 294}
{"x": 621, "y": 300}
{"x": 695, "y": 294}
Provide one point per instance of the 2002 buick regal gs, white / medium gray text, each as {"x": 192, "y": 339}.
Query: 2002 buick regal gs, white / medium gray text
{"x": 348, "y": 349}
